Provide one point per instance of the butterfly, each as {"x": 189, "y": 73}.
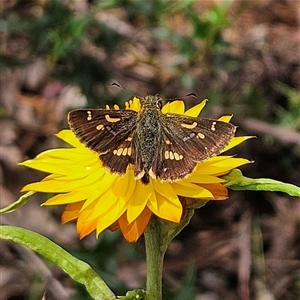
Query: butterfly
{"x": 159, "y": 146}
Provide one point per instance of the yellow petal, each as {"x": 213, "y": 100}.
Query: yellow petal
{"x": 109, "y": 217}
{"x": 152, "y": 202}
{"x": 64, "y": 161}
{"x": 225, "y": 118}
{"x": 71, "y": 197}
{"x": 69, "y": 137}
{"x": 221, "y": 166}
{"x": 74, "y": 154}
{"x": 103, "y": 205}
{"x": 195, "y": 110}
{"x": 185, "y": 189}
{"x": 166, "y": 108}
{"x": 232, "y": 163}
{"x": 195, "y": 177}
{"x": 115, "y": 226}
{"x": 134, "y": 230}
{"x": 165, "y": 189}
{"x": 94, "y": 195}
{"x": 64, "y": 184}
{"x": 214, "y": 159}
{"x": 101, "y": 188}
{"x": 45, "y": 167}
{"x": 83, "y": 227}
{"x": 120, "y": 185}
{"x": 138, "y": 200}
{"x": 168, "y": 210}
{"x": 134, "y": 104}
{"x": 177, "y": 107}
{"x": 236, "y": 141}
{"x": 219, "y": 191}
{"x": 124, "y": 199}
{"x": 36, "y": 187}
{"x": 56, "y": 168}
{"x": 71, "y": 212}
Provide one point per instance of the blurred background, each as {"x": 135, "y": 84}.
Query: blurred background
{"x": 243, "y": 55}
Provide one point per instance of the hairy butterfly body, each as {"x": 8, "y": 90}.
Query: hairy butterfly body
{"x": 164, "y": 146}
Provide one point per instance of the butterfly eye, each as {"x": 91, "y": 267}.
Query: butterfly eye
{"x": 159, "y": 103}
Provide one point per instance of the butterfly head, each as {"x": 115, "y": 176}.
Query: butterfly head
{"x": 152, "y": 101}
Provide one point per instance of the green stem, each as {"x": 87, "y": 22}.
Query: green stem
{"x": 155, "y": 252}
{"x": 158, "y": 235}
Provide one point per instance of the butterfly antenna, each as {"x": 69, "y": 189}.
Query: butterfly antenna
{"x": 191, "y": 95}
{"x": 187, "y": 95}
{"x": 115, "y": 84}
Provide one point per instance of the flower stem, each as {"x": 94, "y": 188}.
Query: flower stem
{"x": 158, "y": 235}
{"x": 155, "y": 251}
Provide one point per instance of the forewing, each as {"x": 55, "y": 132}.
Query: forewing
{"x": 200, "y": 138}
{"x": 108, "y": 132}
{"x": 188, "y": 140}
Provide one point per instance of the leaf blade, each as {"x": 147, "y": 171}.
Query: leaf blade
{"x": 236, "y": 181}
{"x": 75, "y": 268}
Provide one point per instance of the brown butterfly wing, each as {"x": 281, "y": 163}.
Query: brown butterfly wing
{"x": 107, "y": 132}
{"x": 188, "y": 140}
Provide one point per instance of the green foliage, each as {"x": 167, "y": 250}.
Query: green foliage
{"x": 208, "y": 27}
{"x": 236, "y": 181}
{"x": 102, "y": 257}
{"x": 137, "y": 294}
{"x": 290, "y": 116}
{"x": 77, "y": 269}
{"x": 148, "y": 13}
{"x": 17, "y": 204}
{"x": 59, "y": 34}
{"x": 58, "y": 31}
{"x": 205, "y": 45}
{"x": 63, "y": 36}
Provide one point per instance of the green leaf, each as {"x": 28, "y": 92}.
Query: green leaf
{"x": 18, "y": 203}
{"x": 77, "y": 269}
{"x": 137, "y": 294}
{"x": 236, "y": 181}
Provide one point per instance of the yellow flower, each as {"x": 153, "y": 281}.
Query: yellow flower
{"x": 98, "y": 199}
